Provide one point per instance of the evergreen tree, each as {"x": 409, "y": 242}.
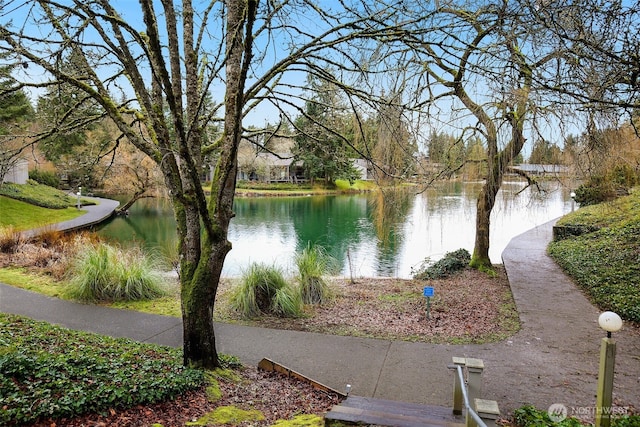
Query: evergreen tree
{"x": 320, "y": 141}
{"x": 66, "y": 114}
{"x": 446, "y": 150}
{"x": 15, "y": 107}
{"x": 75, "y": 134}
{"x": 545, "y": 153}
{"x": 15, "y": 112}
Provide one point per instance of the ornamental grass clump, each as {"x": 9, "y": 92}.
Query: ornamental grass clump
{"x": 106, "y": 273}
{"x": 264, "y": 290}
{"x": 313, "y": 265}
{"x": 10, "y": 239}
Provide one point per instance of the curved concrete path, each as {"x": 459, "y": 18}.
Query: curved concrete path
{"x": 553, "y": 359}
{"x": 95, "y": 214}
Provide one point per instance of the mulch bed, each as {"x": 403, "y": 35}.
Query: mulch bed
{"x": 470, "y": 306}
{"x": 275, "y": 396}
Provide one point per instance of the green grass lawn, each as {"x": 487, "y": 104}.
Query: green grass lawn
{"x": 39, "y": 195}
{"x": 33, "y": 205}
{"x": 30, "y": 281}
{"x": 24, "y": 216}
{"x": 284, "y": 189}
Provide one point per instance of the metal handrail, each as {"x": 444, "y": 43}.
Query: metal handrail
{"x": 470, "y": 410}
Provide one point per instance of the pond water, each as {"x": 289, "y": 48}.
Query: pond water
{"x": 368, "y": 234}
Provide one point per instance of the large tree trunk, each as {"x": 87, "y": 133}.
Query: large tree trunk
{"x": 198, "y": 285}
{"x": 498, "y": 162}
{"x": 201, "y": 279}
{"x": 480, "y": 256}
{"x": 198, "y": 297}
{"x": 486, "y": 200}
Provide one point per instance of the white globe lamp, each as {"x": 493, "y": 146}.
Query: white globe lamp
{"x": 610, "y": 322}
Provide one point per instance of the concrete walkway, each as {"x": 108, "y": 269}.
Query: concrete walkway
{"x": 553, "y": 359}
{"x": 95, "y": 214}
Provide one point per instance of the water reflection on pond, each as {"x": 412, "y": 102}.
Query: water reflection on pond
{"x": 369, "y": 234}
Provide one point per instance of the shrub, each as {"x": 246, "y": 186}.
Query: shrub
{"x": 313, "y": 264}
{"x": 529, "y": 416}
{"x": 44, "y": 177}
{"x": 105, "y": 273}
{"x": 10, "y": 239}
{"x": 263, "y": 289}
{"x": 592, "y": 194}
{"x": 452, "y": 262}
{"x": 602, "y": 188}
{"x": 49, "y": 237}
{"x": 286, "y": 302}
{"x": 626, "y": 421}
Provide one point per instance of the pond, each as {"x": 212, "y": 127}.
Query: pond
{"x": 370, "y": 235}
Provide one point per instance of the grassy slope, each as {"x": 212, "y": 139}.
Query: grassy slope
{"x": 24, "y": 216}
{"x": 605, "y": 262}
{"x": 34, "y": 205}
{"x": 39, "y": 195}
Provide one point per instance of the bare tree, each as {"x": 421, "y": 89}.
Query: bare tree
{"x": 475, "y": 69}
{"x": 132, "y": 173}
{"x": 599, "y": 69}
{"x": 394, "y": 150}
{"x": 508, "y": 72}
{"x": 163, "y": 71}
{"x": 598, "y": 77}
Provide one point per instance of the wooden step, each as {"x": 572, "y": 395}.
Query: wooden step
{"x": 367, "y": 410}
{"x": 271, "y": 366}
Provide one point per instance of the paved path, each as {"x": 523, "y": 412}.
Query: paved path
{"x": 95, "y": 214}
{"x": 553, "y": 359}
